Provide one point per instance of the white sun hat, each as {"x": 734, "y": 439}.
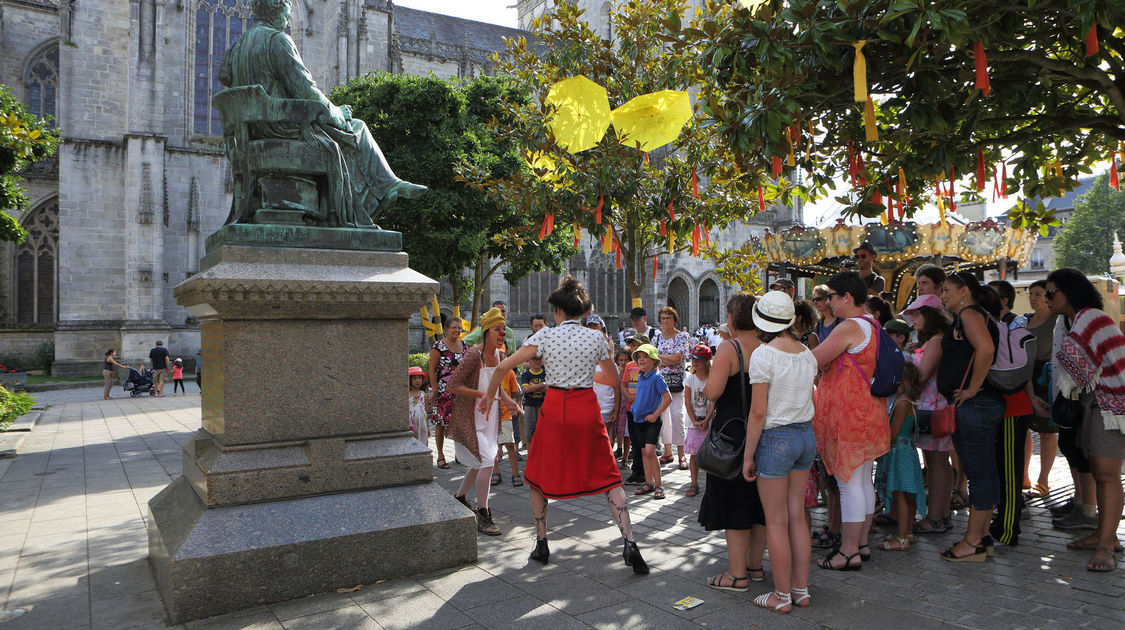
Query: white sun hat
{"x": 774, "y": 312}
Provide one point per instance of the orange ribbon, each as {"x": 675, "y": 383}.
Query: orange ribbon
{"x": 548, "y": 225}
{"x": 1092, "y": 41}
{"x": 982, "y": 68}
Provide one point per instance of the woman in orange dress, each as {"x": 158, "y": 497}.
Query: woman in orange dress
{"x": 850, "y": 424}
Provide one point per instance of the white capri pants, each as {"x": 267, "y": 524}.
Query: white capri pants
{"x": 672, "y": 429}
{"x": 857, "y": 495}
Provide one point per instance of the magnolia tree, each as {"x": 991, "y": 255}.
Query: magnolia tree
{"x": 904, "y": 98}
{"x": 24, "y": 138}
{"x": 639, "y": 205}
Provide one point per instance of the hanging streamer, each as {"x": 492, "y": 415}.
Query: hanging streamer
{"x": 776, "y": 166}
{"x": 618, "y": 253}
{"x": 995, "y": 186}
{"x": 1003, "y": 180}
{"x": 952, "y": 193}
{"x": 790, "y": 160}
{"x": 852, "y": 167}
{"x": 761, "y": 200}
{"x": 1092, "y": 41}
{"x": 548, "y": 225}
{"x": 706, "y": 235}
{"x": 940, "y": 200}
{"x": 869, "y": 121}
{"x": 671, "y": 212}
{"x": 607, "y": 242}
{"x": 671, "y": 241}
{"x": 654, "y": 257}
{"x": 982, "y": 68}
{"x": 695, "y": 241}
{"x": 859, "y": 166}
{"x": 982, "y": 171}
{"x": 646, "y": 158}
{"x": 1113, "y": 180}
{"x": 859, "y": 72}
{"x": 663, "y": 228}
{"x": 577, "y": 234}
{"x": 694, "y": 183}
{"x": 904, "y": 191}
{"x": 598, "y": 210}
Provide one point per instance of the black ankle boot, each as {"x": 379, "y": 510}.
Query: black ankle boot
{"x": 465, "y": 502}
{"x": 633, "y": 558}
{"x": 541, "y": 552}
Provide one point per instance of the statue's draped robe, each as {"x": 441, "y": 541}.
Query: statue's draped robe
{"x": 359, "y": 177}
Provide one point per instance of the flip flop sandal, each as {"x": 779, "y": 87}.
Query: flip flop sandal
{"x": 517, "y": 481}
{"x": 1082, "y": 545}
{"x": 442, "y": 465}
{"x": 659, "y": 494}
{"x": 644, "y": 489}
{"x": 692, "y": 490}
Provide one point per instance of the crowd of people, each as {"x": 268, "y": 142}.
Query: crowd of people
{"x": 833, "y": 400}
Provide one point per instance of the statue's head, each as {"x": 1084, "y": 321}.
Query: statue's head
{"x": 273, "y": 12}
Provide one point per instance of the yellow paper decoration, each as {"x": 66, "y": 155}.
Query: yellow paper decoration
{"x": 859, "y": 72}
{"x": 869, "y": 120}
{"x": 902, "y": 183}
{"x": 607, "y": 241}
{"x": 671, "y": 240}
{"x": 791, "y": 160}
{"x": 941, "y": 208}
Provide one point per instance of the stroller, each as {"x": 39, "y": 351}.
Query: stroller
{"x": 139, "y": 382}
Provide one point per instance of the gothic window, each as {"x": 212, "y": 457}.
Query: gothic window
{"x": 36, "y": 266}
{"x": 218, "y": 23}
{"x": 41, "y": 80}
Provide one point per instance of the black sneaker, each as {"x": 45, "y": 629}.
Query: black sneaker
{"x": 1062, "y": 509}
{"x": 635, "y": 480}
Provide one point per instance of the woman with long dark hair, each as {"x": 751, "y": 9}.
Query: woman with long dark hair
{"x": 573, "y": 456}
{"x": 1089, "y": 371}
{"x": 966, "y": 356}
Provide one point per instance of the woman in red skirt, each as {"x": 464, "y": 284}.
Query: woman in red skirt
{"x": 571, "y": 455}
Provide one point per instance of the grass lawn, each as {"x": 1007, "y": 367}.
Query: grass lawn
{"x": 40, "y": 379}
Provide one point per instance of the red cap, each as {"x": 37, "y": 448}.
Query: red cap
{"x": 700, "y": 351}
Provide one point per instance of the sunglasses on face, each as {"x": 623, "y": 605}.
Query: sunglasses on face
{"x": 832, "y": 295}
{"x": 819, "y": 299}
{"x": 1050, "y": 293}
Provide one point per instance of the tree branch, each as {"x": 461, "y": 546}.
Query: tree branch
{"x": 1069, "y": 70}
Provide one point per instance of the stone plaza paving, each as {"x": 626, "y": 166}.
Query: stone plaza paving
{"x": 73, "y": 554}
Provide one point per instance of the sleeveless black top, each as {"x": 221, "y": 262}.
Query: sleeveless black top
{"x": 957, "y": 352}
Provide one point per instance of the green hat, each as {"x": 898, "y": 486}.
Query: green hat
{"x": 897, "y": 326}
{"x": 647, "y": 349}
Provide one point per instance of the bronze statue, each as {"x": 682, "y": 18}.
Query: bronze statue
{"x": 296, "y": 157}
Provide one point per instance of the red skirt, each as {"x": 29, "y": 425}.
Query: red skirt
{"x": 571, "y": 455}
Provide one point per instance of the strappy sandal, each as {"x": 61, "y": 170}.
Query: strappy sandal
{"x": 786, "y": 605}
{"x": 716, "y": 582}
{"x": 1038, "y": 491}
{"x": 760, "y": 578}
{"x": 517, "y": 481}
{"x": 659, "y": 494}
{"x": 1086, "y": 544}
{"x": 865, "y": 556}
{"x": 666, "y": 460}
{"x": 692, "y": 490}
{"x": 800, "y": 596}
{"x": 496, "y": 479}
{"x": 441, "y": 464}
{"x": 1106, "y": 564}
{"x": 684, "y": 465}
{"x": 980, "y": 553}
{"x": 826, "y": 563}
{"x": 644, "y": 489}
{"x": 903, "y": 544}
{"x": 927, "y": 526}
{"x": 958, "y": 500}
{"x": 823, "y": 539}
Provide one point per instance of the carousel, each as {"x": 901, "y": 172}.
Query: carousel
{"x": 806, "y": 252}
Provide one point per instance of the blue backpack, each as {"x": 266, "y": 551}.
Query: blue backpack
{"x": 889, "y": 362}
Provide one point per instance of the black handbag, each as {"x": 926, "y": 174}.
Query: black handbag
{"x": 675, "y": 382}
{"x": 1067, "y": 413}
{"x": 922, "y": 418}
{"x": 720, "y": 454}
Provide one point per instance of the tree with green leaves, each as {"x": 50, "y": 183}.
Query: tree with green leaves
{"x": 641, "y": 205}
{"x": 427, "y": 127}
{"x": 1086, "y": 241}
{"x": 24, "y": 139}
{"x": 955, "y": 85}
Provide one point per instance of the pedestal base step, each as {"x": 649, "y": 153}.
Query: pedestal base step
{"x": 213, "y": 561}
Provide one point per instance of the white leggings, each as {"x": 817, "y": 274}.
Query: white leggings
{"x": 857, "y": 494}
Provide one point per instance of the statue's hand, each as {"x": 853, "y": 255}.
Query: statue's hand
{"x": 339, "y": 117}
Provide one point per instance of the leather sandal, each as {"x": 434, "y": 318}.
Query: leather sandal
{"x": 1090, "y": 543}
{"x": 496, "y": 479}
{"x": 692, "y": 490}
{"x": 716, "y": 582}
{"x": 926, "y": 526}
{"x": 826, "y": 563}
{"x": 1105, "y": 564}
{"x": 441, "y": 464}
{"x": 800, "y": 596}
{"x": 761, "y": 577}
{"x": 902, "y": 544}
{"x": 659, "y": 493}
{"x": 517, "y": 480}
{"x": 644, "y": 489}
{"x": 1038, "y": 491}
{"x": 865, "y": 556}
{"x": 980, "y": 554}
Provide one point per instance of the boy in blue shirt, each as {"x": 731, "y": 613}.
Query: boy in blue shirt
{"x": 651, "y": 401}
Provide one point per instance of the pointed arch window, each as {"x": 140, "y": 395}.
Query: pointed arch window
{"x": 218, "y": 23}
{"x": 37, "y": 266}
{"x": 41, "y": 79}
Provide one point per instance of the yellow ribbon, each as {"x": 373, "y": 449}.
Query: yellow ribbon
{"x": 671, "y": 240}
{"x": 607, "y": 241}
{"x": 791, "y": 159}
{"x": 869, "y": 120}
{"x": 941, "y": 209}
{"x": 859, "y": 72}
{"x": 902, "y": 183}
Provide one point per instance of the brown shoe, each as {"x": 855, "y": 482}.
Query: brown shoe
{"x": 485, "y": 525}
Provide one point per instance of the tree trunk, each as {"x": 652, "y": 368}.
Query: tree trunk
{"x": 633, "y": 254}
{"x": 478, "y": 289}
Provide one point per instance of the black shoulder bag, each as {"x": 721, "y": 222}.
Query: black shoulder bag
{"x": 721, "y": 454}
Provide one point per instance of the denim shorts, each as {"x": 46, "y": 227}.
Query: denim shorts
{"x": 784, "y": 449}
{"x": 974, "y": 439}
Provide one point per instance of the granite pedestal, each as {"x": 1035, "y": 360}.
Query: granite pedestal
{"x": 303, "y": 477}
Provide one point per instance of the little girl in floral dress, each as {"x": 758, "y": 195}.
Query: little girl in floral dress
{"x": 419, "y": 403}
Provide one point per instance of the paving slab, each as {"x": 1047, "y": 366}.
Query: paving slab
{"x": 75, "y": 554}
